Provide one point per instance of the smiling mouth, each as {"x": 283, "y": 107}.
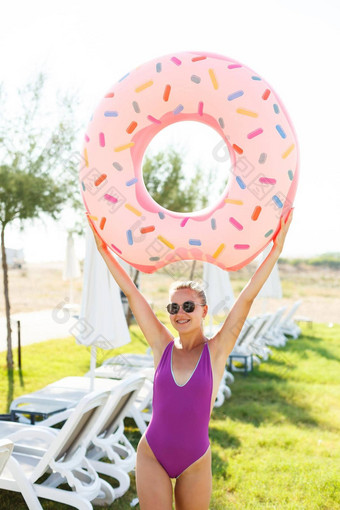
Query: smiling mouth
{"x": 183, "y": 321}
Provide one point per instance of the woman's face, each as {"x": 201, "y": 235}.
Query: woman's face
{"x": 185, "y": 321}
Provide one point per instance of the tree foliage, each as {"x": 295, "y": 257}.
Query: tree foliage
{"x": 169, "y": 186}
{"x": 38, "y": 170}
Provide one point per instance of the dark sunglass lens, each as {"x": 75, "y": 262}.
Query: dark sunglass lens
{"x": 173, "y": 308}
{"x": 189, "y": 306}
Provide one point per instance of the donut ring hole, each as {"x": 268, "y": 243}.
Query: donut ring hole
{"x": 200, "y": 147}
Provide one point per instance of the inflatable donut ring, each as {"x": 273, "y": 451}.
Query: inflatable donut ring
{"x": 251, "y": 119}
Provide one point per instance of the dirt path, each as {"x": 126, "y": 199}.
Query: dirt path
{"x": 41, "y": 287}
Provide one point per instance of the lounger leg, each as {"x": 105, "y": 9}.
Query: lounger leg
{"x": 25, "y": 487}
{"x": 111, "y": 470}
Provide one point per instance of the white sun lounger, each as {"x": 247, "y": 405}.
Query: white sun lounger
{"x": 62, "y": 458}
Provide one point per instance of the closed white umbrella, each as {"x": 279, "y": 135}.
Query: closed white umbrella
{"x": 102, "y": 315}
{"x": 218, "y": 290}
{"x": 71, "y": 266}
{"x": 272, "y": 287}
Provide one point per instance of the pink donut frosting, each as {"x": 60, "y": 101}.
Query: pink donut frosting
{"x": 251, "y": 119}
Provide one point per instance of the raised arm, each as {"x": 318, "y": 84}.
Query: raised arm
{"x": 228, "y": 334}
{"x": 156, "y": 334}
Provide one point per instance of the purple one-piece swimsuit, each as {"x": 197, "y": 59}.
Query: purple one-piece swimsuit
{"x": 178, "y": 433}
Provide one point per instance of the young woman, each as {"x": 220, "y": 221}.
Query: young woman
{"x": 189, "y": 369}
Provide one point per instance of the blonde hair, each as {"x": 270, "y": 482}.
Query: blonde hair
{"x": 191, "y": 286}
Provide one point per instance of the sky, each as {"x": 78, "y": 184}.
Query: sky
{"x": 87, "y": 46}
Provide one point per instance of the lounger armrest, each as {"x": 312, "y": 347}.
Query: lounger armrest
{"x": 32, "y": 432}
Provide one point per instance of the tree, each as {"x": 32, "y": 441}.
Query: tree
{"x": 37, "y": 172}
{"x": 167, "y": 184}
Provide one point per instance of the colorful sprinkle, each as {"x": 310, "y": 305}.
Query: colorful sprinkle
{"x": 83, "y": 186}
{"x": 125, "y": 76}
{"x": 234, "y": 66}
{"x": 154, "y": 120}
{"x": 131, "y": 181}
{"x": 256, "y": 213}
{"x": 146, "y": 230}
{"x": 100, "y": 179}
{"x": 131, "y": 127}
{"x": 240, "y": 182}
{"x": 184, "y": 222}
{"x": 159, "y": 67}
{"x": 267, "y": 180}
{"x": 144, "y": 86}
{"x": 110, "y": 94}
{"x": 136, "y": 106}
{"x": 234, "y": 202}
{"x": 154, "y": 259}
{"x": 241, "y": 246}
{"x": 129, "y": 237}
{"x": 87, "y": 139}
{"x": 247, "y": 112}
{"x": 281, "y": 132}
{"x": 262, "y": 158}
{"x": 277, "y": 201}
{"x": 213, "y": 79}
{"x": 195, "y": 79}
{"x": 213, "y": 223}
{"x": 269, "y": 233}
{"x": 195, "y": 242}
{"x": 166, "y": 242}
{"x": 276, "y": 108}
{"x": 110, "y": 113}
{"x": 290, "y": 175}
{"x": 161, "y": 215}
{"x": 102, "y": 223}
{"x": 102, "y": 139}
{"x": 117, "y": 166}
{"x": 176, "y": 61}
{"x": 166, "y": 93}
{"x": 288, "y": 151}
{"x": 257, "y": 78}
{"x": 197, "y": 59}
{"x": 221, "y": 122}
{"x": 94, "y": 218}
{"x": 219, "y": 250}
{"x": 235, "y": 223}
{"x": 238, "y": 149}
{"x": 235, "y": 95}
{"x": 254, "y": 133}
{"x": 178, "y": 109}
{"x": 115, "y": 248}
{"x": 110, "y": 198}
{"x": 86, "y": 158}
{"x": 265, "y": 94}
{"x": 124, "y": 147}
{"x": 200, "y": 108}
{"x": 133, "y": 209}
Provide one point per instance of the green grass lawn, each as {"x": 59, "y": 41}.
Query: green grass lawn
{"x": 275, "y": 443}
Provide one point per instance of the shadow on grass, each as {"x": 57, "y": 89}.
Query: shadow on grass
{"x": 267, "y": 394}
{"x": 309, "y": 342}
{"x": 21, "y": 378}
{"x": 223, "y": 438}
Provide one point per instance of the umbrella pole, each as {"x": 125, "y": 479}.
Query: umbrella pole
{"x": 92, "y": 366}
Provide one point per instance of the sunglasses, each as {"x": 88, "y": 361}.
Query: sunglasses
{"x": 187, "y": 306}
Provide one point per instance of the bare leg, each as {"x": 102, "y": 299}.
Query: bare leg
{"x": 154, "y": 487}
{"x": 194, "y": 486}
